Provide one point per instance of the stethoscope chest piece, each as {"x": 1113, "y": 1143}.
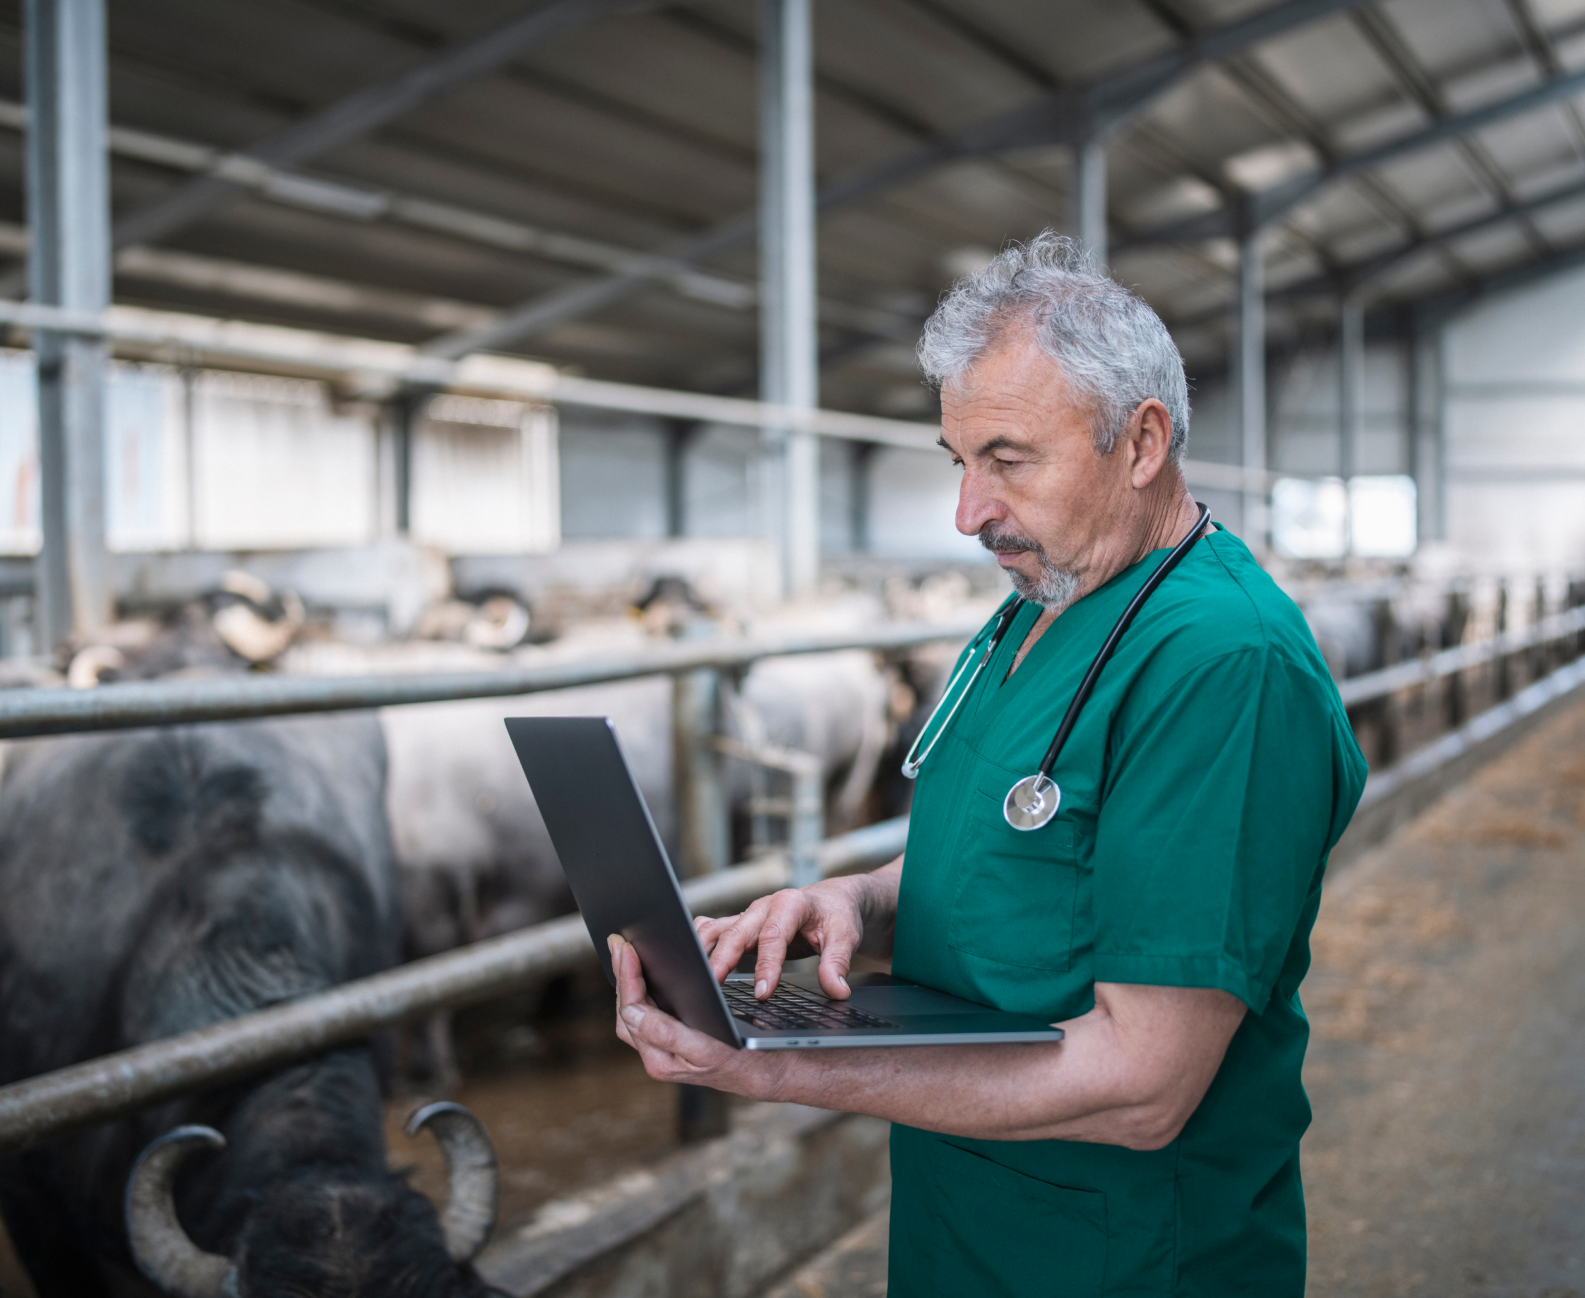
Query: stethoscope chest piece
{"x": 1032, "y": 802}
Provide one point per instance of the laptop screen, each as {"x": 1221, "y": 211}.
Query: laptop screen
{"x": 615, "y": 862}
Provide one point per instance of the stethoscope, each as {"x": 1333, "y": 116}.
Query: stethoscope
{"x": 1033, "y": 801}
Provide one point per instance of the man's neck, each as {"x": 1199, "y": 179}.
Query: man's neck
{"x": 1162, "y": 524}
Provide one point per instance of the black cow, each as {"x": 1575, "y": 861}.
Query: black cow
{"x": 154, "y": 882}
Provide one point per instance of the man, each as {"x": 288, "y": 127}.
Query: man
{"x": 1162, "y": 918}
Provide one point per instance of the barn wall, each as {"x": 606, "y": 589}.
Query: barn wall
{"x": 1515, "y": 368}
{"x": 913, "y": 497}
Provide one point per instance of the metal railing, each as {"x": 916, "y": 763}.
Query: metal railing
{"x": 29, "y": 712}
{"x": 1450, "y": 662}
{"x": 39, "y": 1108}
{"x": 42, "y": 1107}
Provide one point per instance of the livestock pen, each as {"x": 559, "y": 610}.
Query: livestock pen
{"x": 1443, "y": 691}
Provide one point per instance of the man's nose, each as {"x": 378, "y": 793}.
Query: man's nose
{"x": 977, "y": 505}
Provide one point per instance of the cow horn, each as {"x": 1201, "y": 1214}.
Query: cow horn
{"x": 159, "y": 1244}
{"x": 89, "y": 664}
{"x": 251, "y": 635}
{"x": 498, "y": 623}
{"x": 473, "y": 1192}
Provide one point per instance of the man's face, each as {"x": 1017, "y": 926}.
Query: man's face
{"x": 1034, "y": 488}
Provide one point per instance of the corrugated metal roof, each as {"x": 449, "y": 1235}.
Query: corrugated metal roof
{"x": 638, "y": 130}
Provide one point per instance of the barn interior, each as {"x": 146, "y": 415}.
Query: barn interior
{"x": 557, "y": 356}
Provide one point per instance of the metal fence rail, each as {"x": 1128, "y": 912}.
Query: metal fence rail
{"x": 42, "y": 1107}
{"x": 27, "y": 712}
{"x": 1449, "y": 662}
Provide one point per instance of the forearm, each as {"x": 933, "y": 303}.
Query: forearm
{"x": 1083, "y": 1088}
{"x": 1130, "y": 1072}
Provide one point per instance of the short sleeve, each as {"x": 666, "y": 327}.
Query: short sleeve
{"x": 1217, "y": 812}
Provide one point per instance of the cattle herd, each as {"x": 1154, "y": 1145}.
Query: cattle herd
{"x": 154, "y": 882}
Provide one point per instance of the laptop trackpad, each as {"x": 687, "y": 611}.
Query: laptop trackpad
{"x": 887, "y": 997}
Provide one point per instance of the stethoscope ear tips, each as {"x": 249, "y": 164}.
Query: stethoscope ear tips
{"x": 1032, "y": 802}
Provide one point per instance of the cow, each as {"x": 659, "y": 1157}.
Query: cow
{"x": 154, "y": 882}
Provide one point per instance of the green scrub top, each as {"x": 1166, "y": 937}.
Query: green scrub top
{"x": 1207, "y": 778}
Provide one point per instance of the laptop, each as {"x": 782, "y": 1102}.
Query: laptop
{"x": 623, "y": 883}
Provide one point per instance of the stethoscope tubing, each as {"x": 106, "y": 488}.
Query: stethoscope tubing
{"x": 991, "y": 638}
{"x": 1041, "y": 796}
{"x": 1087, "y": 685}
{"x": 1033, "y": 801}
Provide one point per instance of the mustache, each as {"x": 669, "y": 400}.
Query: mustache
{"x": 1000, "y": 540}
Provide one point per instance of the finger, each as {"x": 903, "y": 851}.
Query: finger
{"x": 630, "y": 987}
{"x": 739, "y": 934}
{"x": 710, "y": 929}
{"x": 836, "y": 959}
{"x": 787, "y": 914}
{"x": 657, "y": 1033}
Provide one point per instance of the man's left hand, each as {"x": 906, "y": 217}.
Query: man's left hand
{"x": 674, "y": 1052}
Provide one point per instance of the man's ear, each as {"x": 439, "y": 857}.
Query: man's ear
{"x": 1150, "y": 429}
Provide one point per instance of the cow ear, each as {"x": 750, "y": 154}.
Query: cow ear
{"x": 160, "y": 1246}
{"x": 473, "y": 1193}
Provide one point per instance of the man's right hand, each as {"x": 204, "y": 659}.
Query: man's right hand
{"x": 836, "y": 917}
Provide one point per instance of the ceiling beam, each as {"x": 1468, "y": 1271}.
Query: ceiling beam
{"x": 1361, "y": 273}
{"x": 1543, "y": 51}
{"x": 486, "y": 229}
{"x": 1063, "y": 116}
{"x": 1441, "y": 306}
{"x": 1417, "y": 83}
{"x": 1269, "y": 205}
{"x": 368, "y": 109}
{"x": 1374, "y": 268}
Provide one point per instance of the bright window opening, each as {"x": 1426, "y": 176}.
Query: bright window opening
{"x": 1320, "y": 518}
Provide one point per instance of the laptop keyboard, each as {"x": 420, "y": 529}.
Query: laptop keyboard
{"x": 793, "y": 1009}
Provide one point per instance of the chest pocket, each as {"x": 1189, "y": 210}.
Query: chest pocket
{"x": 1017, "y": 892}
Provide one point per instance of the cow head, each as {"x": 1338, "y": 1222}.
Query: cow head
{"x": 326, "y": 1231}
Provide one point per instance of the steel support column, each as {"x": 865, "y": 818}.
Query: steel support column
{"x": 680, "y": 434}
{"x": 859, "y": 493}
{"x": 1249, "y": 384}
{"x": 1089, "y": 198}
{"x": 402, "y": 414}
{"x": 1424, "y": 456}
{"x": 1438, "y": 510}
{"x": 1414, "y": 416}
{"x": 789, "y": 344}
{"x": 69, "y": 266}
{"x": 1351, "y": 400}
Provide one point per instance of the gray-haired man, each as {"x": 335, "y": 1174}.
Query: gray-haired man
{"x": 1162, "y": 918}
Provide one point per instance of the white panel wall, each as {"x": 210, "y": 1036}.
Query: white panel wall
{"x": 145, "y": 457}
{"x": 146, "y": 487}
{"x": 276, "y": 467}
{"x": 1515, "y": 370}
{"x": 913, "y": 497}
{"x": 19, "y": 455}
{"x": 486, "y": 477}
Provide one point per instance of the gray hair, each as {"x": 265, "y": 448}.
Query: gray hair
{"x": 1109, "y": 344}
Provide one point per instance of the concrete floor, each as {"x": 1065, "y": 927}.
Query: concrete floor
{"x": 1447, "y": 1070}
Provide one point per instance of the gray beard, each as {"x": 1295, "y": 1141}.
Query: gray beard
{"x": 1053, "y": 590}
